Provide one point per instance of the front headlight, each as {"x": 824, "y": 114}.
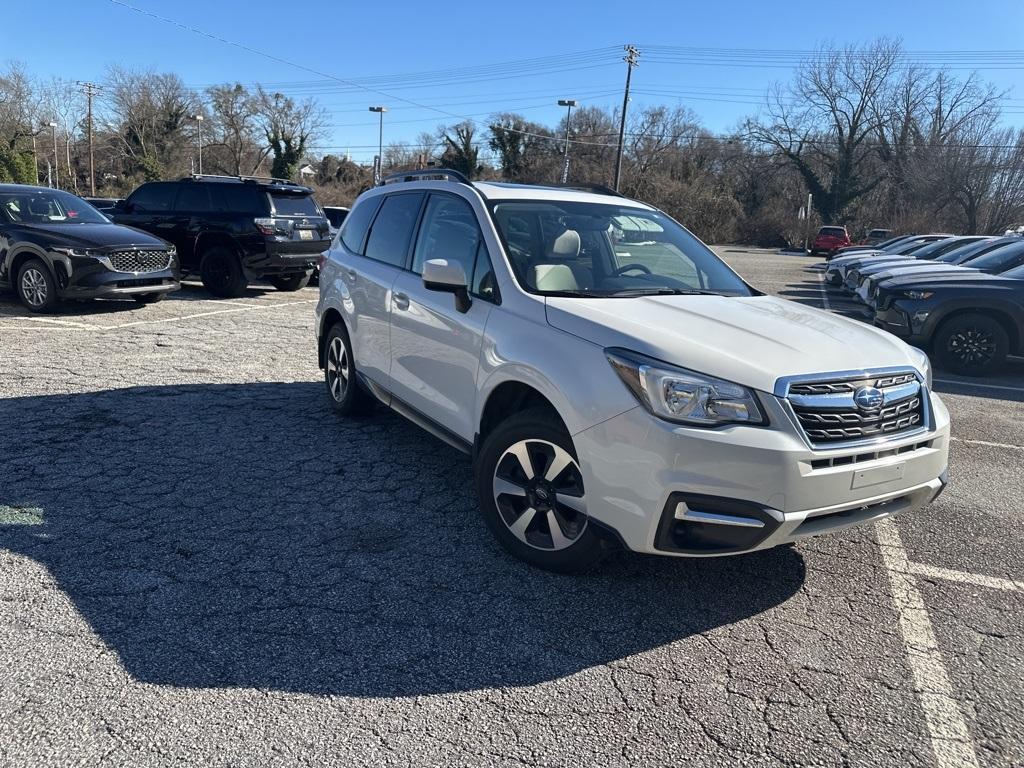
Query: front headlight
{"x": 924, "y": 365}
{"x": 81, "y": 252}
{"x": 918, "y": 295}
{"x": 684, "y": 396}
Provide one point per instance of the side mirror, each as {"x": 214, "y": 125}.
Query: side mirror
{"x": 448, "y": 277}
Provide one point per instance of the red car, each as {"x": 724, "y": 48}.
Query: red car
{"x": 829, "y": 240}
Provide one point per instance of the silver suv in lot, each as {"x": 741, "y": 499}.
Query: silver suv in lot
{"x": 613, "y": 380}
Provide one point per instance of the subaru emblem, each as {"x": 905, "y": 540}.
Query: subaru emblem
{"x": 868, "y": 398}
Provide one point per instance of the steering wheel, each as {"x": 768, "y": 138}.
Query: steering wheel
{"x": 628, "y": 267}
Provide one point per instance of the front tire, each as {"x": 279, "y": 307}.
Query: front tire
{"x": 36, "y": 287}
{"x": 222, "y": 273}
{"x": 972, "y": 344}
{"x": 290, "y": 282}
{"x": 345, "y": 395}
{"x": 531, "y": 494}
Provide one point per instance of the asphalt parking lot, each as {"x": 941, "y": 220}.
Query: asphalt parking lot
{"x": 200, "y": 565}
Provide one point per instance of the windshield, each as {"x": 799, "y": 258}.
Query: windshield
{"x": 593, "y": 249}
{"x": 1000, "y": 258}
{"x": 1017, "y": 273}
{"x": 47, "y": 206}
{"x": 336, "y": 216}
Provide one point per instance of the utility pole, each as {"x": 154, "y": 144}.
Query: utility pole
{"x": 632, "y": 54}
{"x": 570, "y": 103}
{"x": 91, "y": 89}
{"x": 56, "y": 157}
{"x": 199, "y": 126}
{"x": 807, "y": 222}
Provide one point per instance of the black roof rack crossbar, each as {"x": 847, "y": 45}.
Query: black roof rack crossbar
{"x": 425, "y": 174}
{"x": 583, "y": 186}
{"x": 272, "y": 179}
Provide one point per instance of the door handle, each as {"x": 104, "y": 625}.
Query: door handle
{"x": 401, "y": 301}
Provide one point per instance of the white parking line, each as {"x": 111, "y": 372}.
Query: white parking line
{"x": 194, "y": 315}
{"x": 1011, "y": 446}
{"x": 950, "y": 739}
{"x": 977, "y": 579}
{"x": 60, "y": 323}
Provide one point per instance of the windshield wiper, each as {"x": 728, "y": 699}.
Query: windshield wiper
{"x": 663, "y": 292}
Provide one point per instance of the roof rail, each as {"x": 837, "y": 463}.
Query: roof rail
{"x": 196, "y": 176}
{"x": 583, "y": 186}
{"x": 425, "y": 174}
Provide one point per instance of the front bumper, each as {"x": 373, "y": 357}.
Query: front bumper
{"x": 82, "y": 277}
{"x": 637, "y": 468}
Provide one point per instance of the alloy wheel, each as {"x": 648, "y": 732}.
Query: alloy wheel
{"x": 972, "y": 346}
{"x": 33, "y": 287}
{"x": 538, "y": 489}
{"x": 337, "y": 369}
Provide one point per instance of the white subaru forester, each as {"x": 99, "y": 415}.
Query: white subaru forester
{"x": 613, "y": 379}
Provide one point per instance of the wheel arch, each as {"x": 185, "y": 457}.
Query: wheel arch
{"x": 22, "y": 255}
{"x": 1001, "y": 315}
{"x": 330, "y": 317}
{"x": 510, "y": 397}
{"x": 207, "y": 241}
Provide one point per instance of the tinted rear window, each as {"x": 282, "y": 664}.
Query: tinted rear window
{"x": 294, "y": 205}
{"x": 391, "y": 233}
{"x": 335, "y": 216}
{"x": 193, "y": 197}
{"x": 833, "y": 231}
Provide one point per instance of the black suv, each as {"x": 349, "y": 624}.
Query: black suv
{"x": 231, "y": 230}
{"x": 56, "y": 246}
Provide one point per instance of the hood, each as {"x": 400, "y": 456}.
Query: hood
{"x": 846, "y": 258}
{"x": 95, "y": 236}
{"x": 974, "y": 277}
{"x": 748, "y": 340}
{"x": 914, "y": 266}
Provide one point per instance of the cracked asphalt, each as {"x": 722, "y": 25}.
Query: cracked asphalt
{"x": 201, "y": 565}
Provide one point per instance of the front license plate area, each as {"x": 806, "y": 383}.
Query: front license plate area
{"x": 876, "y": 476}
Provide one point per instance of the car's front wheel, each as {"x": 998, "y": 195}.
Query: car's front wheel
{"x": 36, "y": 286}
{"x": 531, "y": 494}
{"x": 290, "y": 282}
{"x": 347, "y": 398}
{"x": 972, "y": 344}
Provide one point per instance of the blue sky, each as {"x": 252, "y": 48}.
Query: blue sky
{"x": 78, "y": 39}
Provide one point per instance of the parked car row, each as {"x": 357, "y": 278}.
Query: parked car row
{"x": 962, "y": 297}
{"x": 228, "y": 231}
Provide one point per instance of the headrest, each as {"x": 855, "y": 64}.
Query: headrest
{"x": 566, "y": 245}
{"x": 554, "y": 277}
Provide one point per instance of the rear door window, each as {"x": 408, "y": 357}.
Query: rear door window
{"x": 241, "y": 198}
{"x": 153, "y": 198}
{"x": 391, "y": 233}
{"x": 294, "y": 205}
{"x": 193, "y": 198}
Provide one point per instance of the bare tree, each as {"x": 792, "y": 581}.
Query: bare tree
{"x": 825, "y": 123}
{"x": 236, "y": 144}
{"x": 289, "y": 128}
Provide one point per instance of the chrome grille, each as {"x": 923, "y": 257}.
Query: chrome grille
{"x": 828, "y": 413}
{"x": 139, "y": 261}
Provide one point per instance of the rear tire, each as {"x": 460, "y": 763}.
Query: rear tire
{"x": 290, "y": 282}
{"x": 346, "y": 396}
{"x": 36, "y": 287}
{"x": 537, "y": 512}
{"x": 222, "y": 273}
{"x": 149, "y": 298}
{"x": 972, "y": 344}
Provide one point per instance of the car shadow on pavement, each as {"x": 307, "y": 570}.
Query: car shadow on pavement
{"x": 242, "y": 535}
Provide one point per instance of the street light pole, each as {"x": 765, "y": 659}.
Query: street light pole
{"x": 569, "y": 103}
{"x": 56, "y": 157}
{"x": 199, "y": 125}
{"x": 379, "y": 170}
